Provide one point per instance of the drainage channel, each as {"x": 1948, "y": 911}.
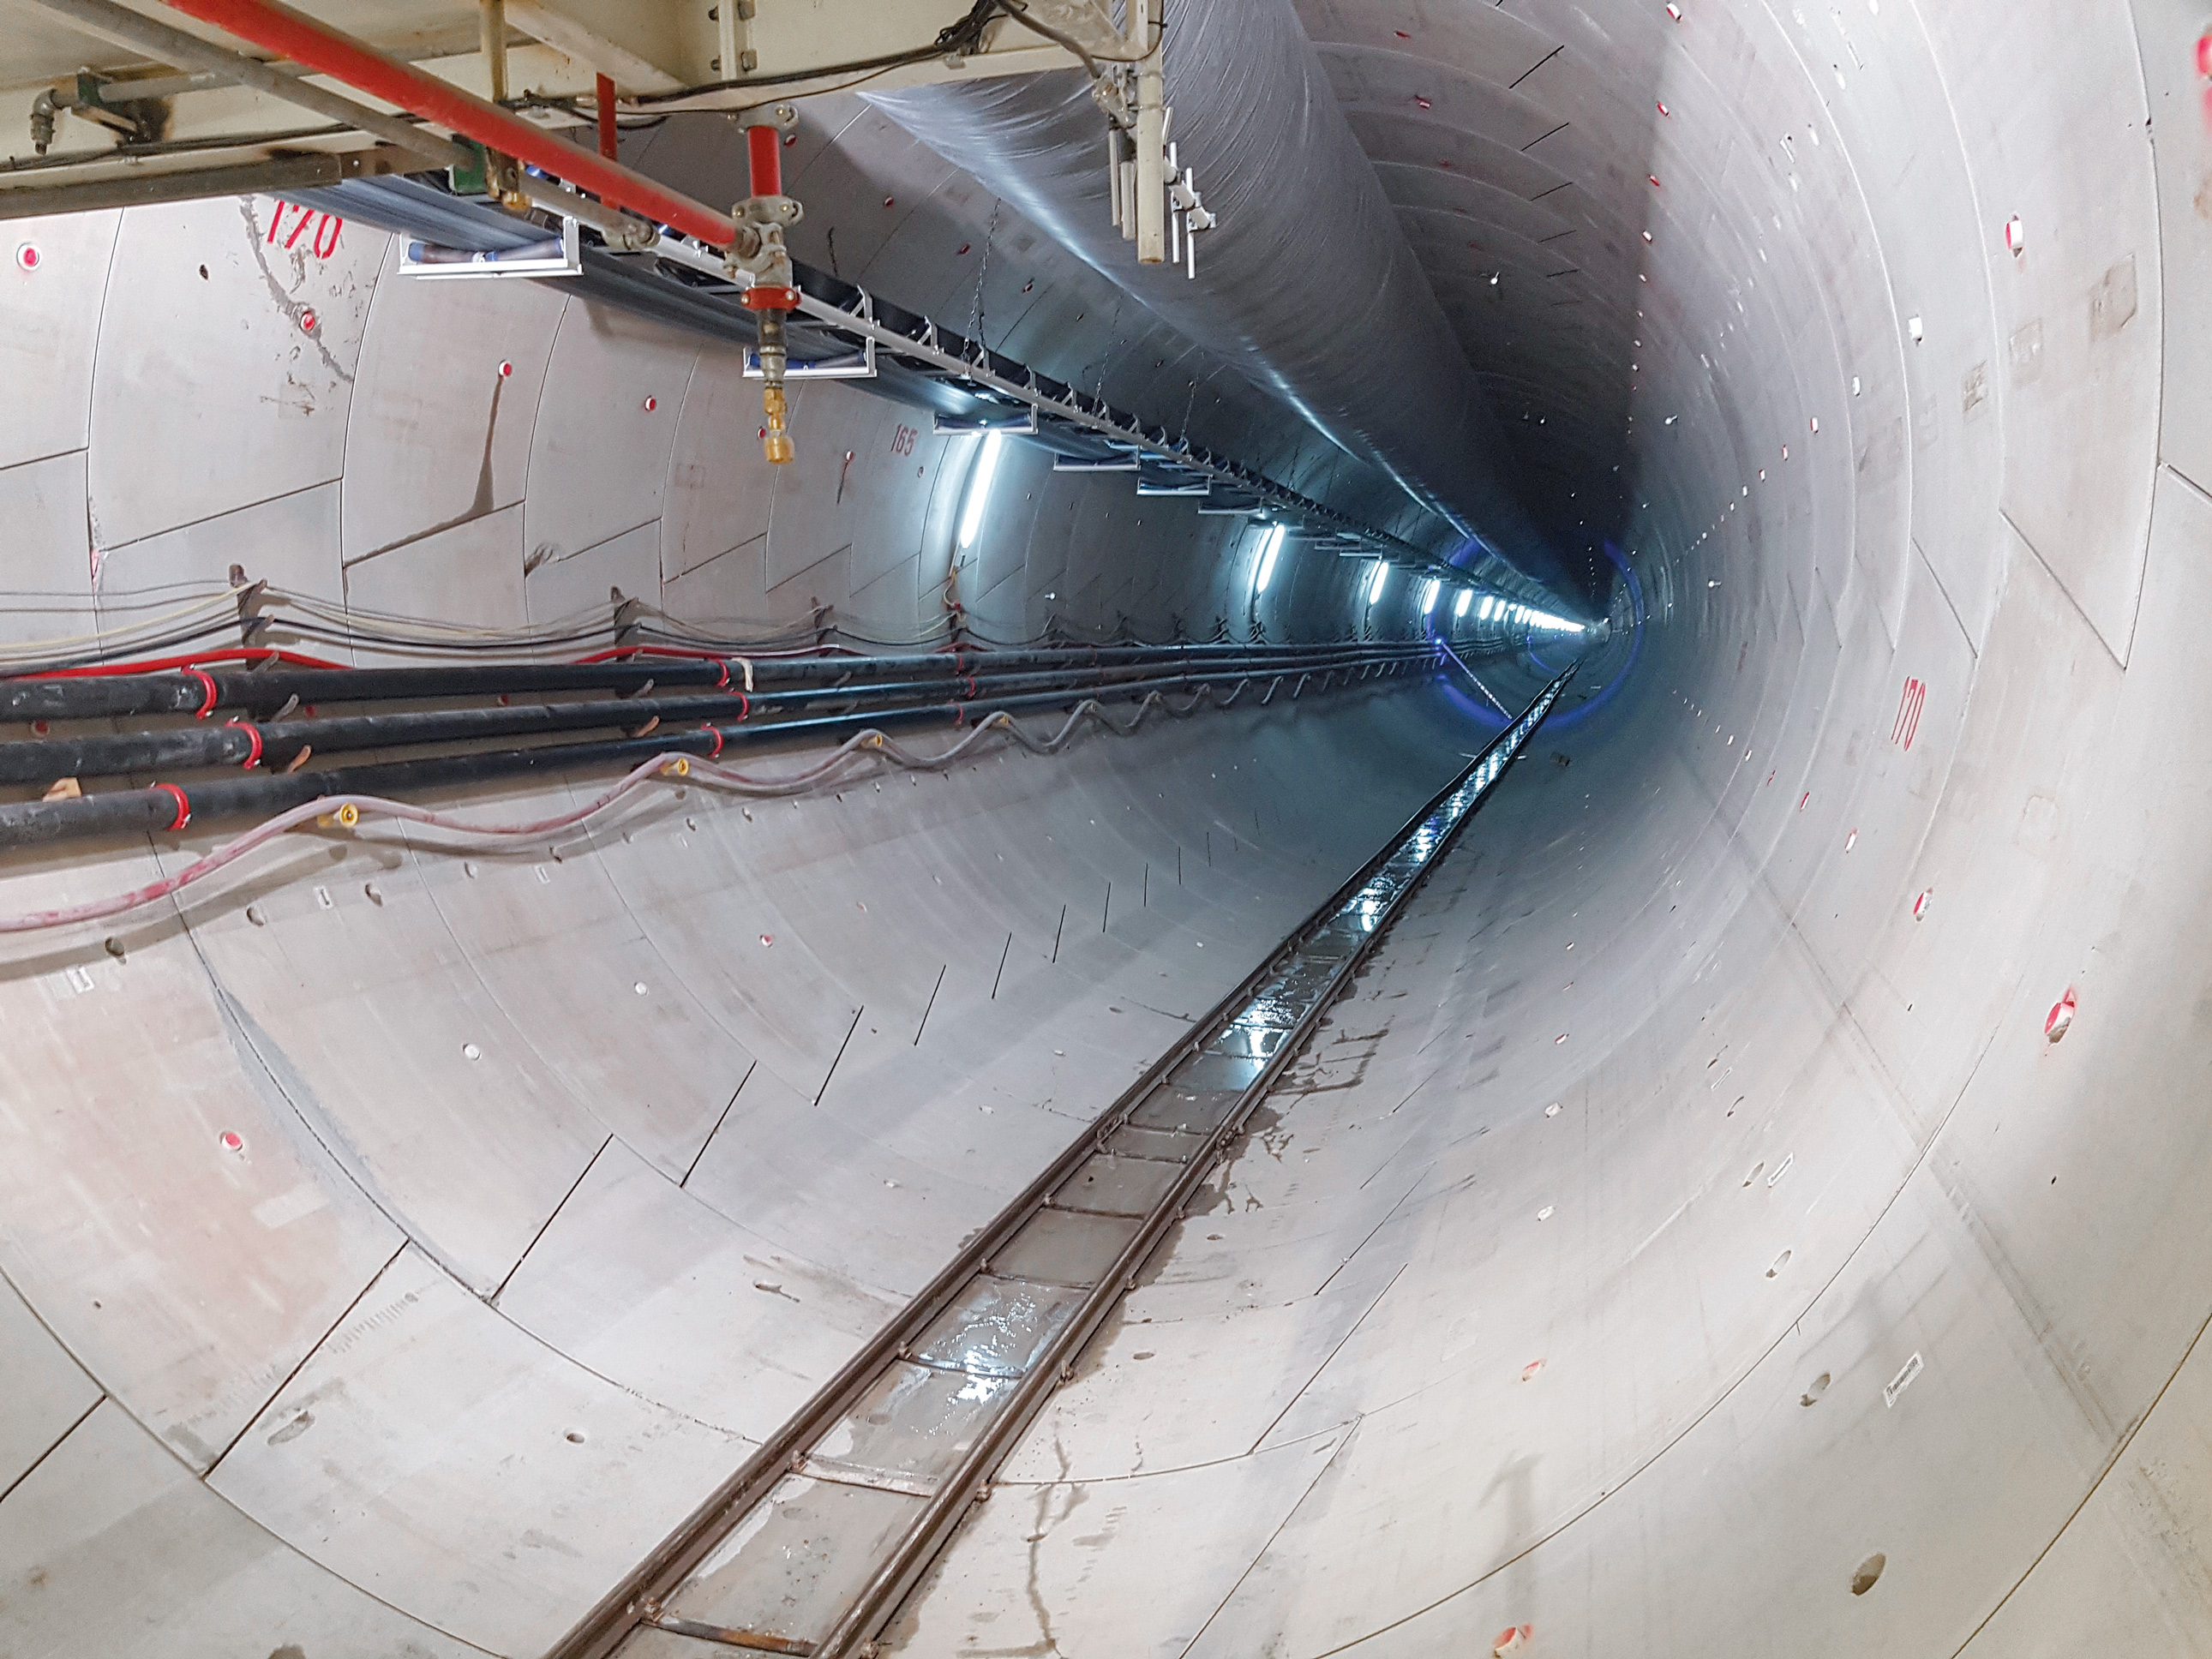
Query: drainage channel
{"x": 810, "y": 1547}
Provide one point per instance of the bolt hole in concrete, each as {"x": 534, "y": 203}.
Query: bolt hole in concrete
{"x": 1869, "y": 1571}
{"x": 1812, "y": 1395}
{"x": 575, "y": 1436}
{"x": 1754, "y": 1174}
{"x": 1780, "y": 1262}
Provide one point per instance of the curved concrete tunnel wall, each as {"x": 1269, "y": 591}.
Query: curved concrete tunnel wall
{"x": 1827, "y": 1254}
{"x": 429, "y": 1057}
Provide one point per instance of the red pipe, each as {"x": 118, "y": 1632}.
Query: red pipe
{"x": 278, "y": 29}
{"x": 762, "y": 149}
{"x": 604, "y": 89}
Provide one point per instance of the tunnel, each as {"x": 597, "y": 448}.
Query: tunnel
{"x": 1637, "y": 578}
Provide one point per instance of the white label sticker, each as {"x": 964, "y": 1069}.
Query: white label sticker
{"x": 1902, "y": 1380}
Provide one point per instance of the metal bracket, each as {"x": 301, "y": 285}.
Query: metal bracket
{"x": 547, "y": 259}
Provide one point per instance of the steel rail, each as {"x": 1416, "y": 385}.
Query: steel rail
{"x": 855, "y": 1633}
{"x": 639, "y": 1600}
{"x": 1032, "y": 396}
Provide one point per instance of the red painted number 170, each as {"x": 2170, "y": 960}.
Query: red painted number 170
{"x": 323, "y": 244}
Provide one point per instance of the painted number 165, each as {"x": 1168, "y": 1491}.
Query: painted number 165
{"x": 902, "y": 441}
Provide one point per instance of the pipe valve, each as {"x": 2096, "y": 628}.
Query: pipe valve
{"x": 774, "y": 295}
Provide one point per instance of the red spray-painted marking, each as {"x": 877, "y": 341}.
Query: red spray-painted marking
{"x": 1908, "y": 713}
{"x": 323, "y": 244}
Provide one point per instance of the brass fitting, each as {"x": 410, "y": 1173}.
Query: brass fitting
{"x": 776, "y": 443}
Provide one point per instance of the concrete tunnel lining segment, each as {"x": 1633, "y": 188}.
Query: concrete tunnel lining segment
{"x": 320, "y": 1390}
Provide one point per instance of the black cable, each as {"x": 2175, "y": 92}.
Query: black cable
{"x": 963, "y": 38}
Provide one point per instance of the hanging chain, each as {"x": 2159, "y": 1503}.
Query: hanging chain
{"x": 975, "y": 315}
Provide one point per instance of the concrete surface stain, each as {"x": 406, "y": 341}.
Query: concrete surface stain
{"x": 1045, "y": 1520}
{"x": 296, "y": 311}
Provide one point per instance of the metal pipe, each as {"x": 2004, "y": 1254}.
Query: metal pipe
{"x": 172, "y": 45}
{"x": 622, "y": 230}
{"x": 1152, "y": 134}
{"x": 491, "y": 21}
{"x": 280, "y": 30}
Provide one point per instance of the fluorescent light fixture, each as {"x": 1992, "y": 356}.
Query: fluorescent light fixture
{"x": 1429, "y": 594}
{"x": 1465, "y": 597}
{"x": 1482, "y": 612}
{"x": 1274, "y": 546}
{"x": 1375, "y": 587}
{"x": 979, "y": 489}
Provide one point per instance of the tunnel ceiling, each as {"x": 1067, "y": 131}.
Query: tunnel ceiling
{"x": 1509, "y": 145}
{"x": 1754, "y": 1199}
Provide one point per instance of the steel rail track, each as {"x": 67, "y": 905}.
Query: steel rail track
{"x": 1013, "y": 1283}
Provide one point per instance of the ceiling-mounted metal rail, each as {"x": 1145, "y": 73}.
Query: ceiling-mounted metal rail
{"x": 1127, "y": 436}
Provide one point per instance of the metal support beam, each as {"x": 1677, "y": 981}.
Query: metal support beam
{"x": 158, "y": 40}
{"x": 188, "y": 184}
{"x": 328, "y": 51}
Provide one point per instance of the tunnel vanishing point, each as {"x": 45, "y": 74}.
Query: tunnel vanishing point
{"x": 1105, "y": 828}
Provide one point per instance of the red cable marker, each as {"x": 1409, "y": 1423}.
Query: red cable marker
{"x": 716, "y": 732}
{"x": 253, "y": 731}
{"x": 2060, "y": 1019}
{"x": 207, "y": 682}
{"x": 183, "y": 806}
